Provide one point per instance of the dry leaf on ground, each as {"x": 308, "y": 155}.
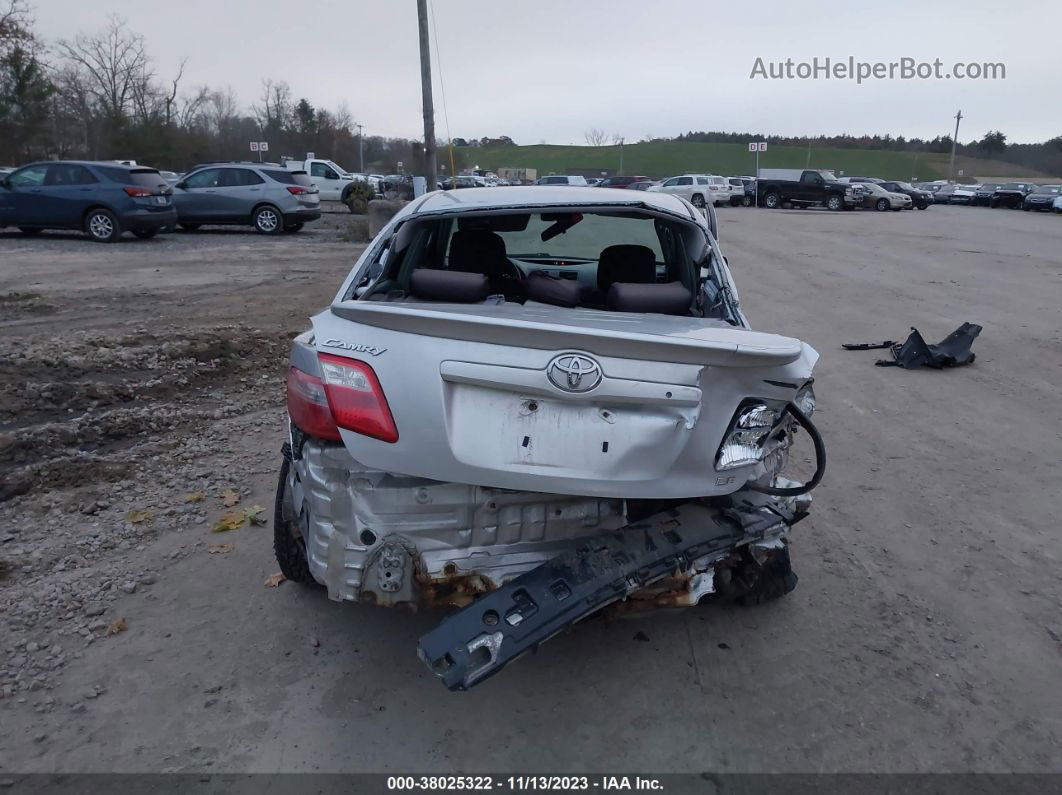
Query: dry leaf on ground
{"x": 195, "y": 496}
{"x": 138, "y": 516}
{"x": 273, "y": 580}
{"x": 116, "y": 626}
{"x": 229, "y": 521}
{"x": 229, "y": 497}
{"x": 219, "y": 549}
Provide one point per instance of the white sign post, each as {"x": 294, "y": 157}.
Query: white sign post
{"x": 757, "y": 147}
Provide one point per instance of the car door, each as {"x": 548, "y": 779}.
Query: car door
{"x": 670, "y": 185}
{"x": 68, "y": 191}
{"x": 327, "y": 181}
{"x": 196, "y": 197}
{"x": 683, "y": 187}
{"x": 810, "y": 187}
{"x": 22, "y": 200}
{"x": 239, "y": 190}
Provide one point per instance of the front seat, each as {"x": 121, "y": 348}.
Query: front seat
{"x": 483, "y": 251}
{"x": 630, "y": 264}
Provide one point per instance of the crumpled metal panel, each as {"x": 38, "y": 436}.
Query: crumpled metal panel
{"x": 459, "y": 539}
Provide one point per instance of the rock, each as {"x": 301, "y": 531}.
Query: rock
{"x": 94, "y": 609}
{"x": 128, "y": 587}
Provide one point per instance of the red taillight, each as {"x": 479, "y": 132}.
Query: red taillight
{"x": 137, "y": 193}
{"x": 356, "y": 398}
{"x": 308, "y": 406}
{"x": 297, "y": 190}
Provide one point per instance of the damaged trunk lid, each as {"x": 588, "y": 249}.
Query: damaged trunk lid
{"x": 569, "y": 401}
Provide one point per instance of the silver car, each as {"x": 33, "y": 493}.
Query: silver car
{"x": 534, "y": 403}
{"x": 266, "y": 196}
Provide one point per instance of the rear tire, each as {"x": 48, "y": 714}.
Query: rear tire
{"x": 771, "y": 201}
{"x": 102, "y": 226}
{"x": 746, "y": 201}
{"x": 288, "y": 543}
{"x": 835, "y": 203}
{"x": 697, "y": 201}
{"x": 881, "y": 205}
{"x": 268, "y": 220}
{"x": 30, "y": 231}
{"x": 145, "y": 234}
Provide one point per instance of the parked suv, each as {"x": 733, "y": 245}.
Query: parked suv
{"x": 535, "y": 405}
{"x": 697, "y": 189}
{"x": 1011, "y": 194}
{"x": 266, "y": 196}
{"x": 103, "y": 199}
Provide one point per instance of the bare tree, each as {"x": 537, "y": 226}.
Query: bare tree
{"x": 113, "y": 69}
{"x": 595, "y": 137}
{"x": 14, "y": 23}
{"x": 274, "y": 111}
{"x": 617, "y": 139}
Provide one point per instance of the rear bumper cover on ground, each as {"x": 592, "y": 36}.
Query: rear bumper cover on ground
{"x": 481, "y": 639}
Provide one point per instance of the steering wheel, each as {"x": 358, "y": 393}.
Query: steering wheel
{"x": 509, "y": 281}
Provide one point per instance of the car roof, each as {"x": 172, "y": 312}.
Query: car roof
{"x": 531, "y": 196}
{"x": 106, "y": 163}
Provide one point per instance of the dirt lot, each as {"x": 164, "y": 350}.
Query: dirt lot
{"x": 140, "y": 381}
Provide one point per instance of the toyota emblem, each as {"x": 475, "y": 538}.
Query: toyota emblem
{"x": 573, "y": 372}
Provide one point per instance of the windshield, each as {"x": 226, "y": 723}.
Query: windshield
{"x": 578, "y": 235}
{"x": 1014, "y": 186}
{"x": 905, "y": 186}
{"x": 339, "y": 169}
{"x": 829, "y": 176}
{"x": 1048, "y": 189}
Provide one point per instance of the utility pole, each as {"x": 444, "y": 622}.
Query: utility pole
{"x": 807, "y": 163}
{"x": 361, "y": 150}
{"x": 954, "y": 141}
{"x": 425, "y": 90}
{"x": 621, "y": 157}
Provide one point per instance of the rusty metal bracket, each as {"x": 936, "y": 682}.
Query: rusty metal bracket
{"x": 479, "y": 640}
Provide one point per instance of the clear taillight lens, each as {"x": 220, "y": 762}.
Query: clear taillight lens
{"x": 805, "y": 399}
{"x": 743, "y": 444}
{"x": 356, "y": 398}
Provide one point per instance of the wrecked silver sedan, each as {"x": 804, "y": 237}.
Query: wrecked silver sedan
{"x": 536, "y": 403}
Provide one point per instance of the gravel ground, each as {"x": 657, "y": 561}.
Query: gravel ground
{"x": 141, "y": 402}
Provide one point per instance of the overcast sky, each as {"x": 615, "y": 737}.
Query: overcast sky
{"x": 547, "y": 70}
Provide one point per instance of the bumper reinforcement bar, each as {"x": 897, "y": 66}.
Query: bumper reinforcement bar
{"x": 480, "y": 639}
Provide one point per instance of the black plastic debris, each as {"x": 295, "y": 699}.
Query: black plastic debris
{"x": 915, "y": 352}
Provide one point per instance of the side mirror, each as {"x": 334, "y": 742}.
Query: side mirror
{"x": 331, "y": 175}
{"x": 182, "y": 185}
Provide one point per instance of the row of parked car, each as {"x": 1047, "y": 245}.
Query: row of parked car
{"x": 106, "y": 199}
{"x": 1015, "y": 195}
{"x": 802, "y": 187}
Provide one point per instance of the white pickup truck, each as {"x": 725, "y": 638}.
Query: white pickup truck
{"x": 332, "y": 180}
